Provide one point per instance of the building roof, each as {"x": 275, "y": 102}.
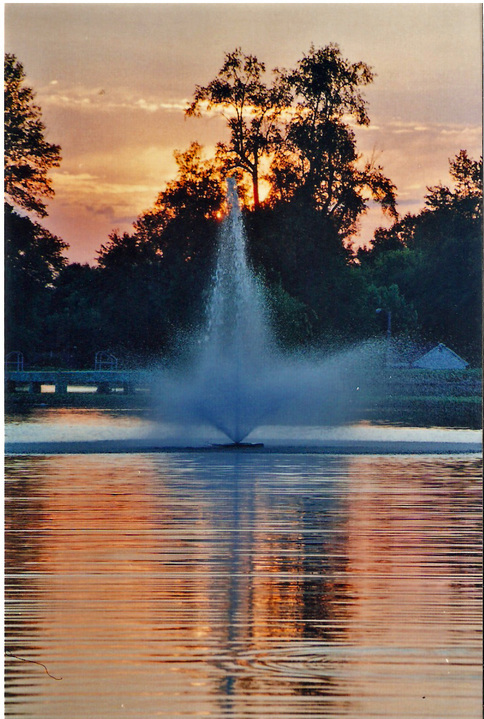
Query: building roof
{"x": 440, "y": 357}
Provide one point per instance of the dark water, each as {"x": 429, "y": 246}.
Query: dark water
{"x": 243, "y": 585}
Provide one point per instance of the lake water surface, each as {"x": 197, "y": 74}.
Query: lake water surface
{"x": 241, "y": 584}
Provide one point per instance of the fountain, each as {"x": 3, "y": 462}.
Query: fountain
{"x": 237, "y": 378}
{"x": 230, "y": 376}
{"x": 226, "y": 385}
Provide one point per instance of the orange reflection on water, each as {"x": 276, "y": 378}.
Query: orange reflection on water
{"x": 414, "y": 528}
{"x": 171, "y": 585}
{"x": 107, "y": 566}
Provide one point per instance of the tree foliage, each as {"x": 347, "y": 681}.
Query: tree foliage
{"x": 28, "y": 155}
{"x": 33, "y": 259}
{"x": 251, "y": 109}
{"x": 434, "y": 258}
{"x": 301, "y": 124}
{"x": 466, "y": 197}
{"x": 319, "y": 160}
{"x": 33, "y": 255}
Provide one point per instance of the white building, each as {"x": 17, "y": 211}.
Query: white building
{"x": 440, "y": 357}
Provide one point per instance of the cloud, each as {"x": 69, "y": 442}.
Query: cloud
{"x": 87, "y": 183}
{"x": 156, "y": 106}
{"x": 99, "y": 99}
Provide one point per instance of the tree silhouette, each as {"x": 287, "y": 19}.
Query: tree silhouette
{"x": 33, "y": 258}
{"x": 251, "y": 109}
{"x": 28, "y": 156}
{"x": 319, "y": 162}
{"x": 434, "y": 258}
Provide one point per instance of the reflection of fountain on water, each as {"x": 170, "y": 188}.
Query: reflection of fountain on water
{"x": 238, "y": 379}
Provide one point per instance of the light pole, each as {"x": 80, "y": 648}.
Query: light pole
{"x": 389, "y": 321}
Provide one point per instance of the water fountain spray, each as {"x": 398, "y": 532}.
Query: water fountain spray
{"x": 237, "y": 378}
{"x": 237, "y": 347}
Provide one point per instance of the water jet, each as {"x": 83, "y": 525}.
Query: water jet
{"x": 237, "y": 379}
{"x": 227, "y": 385}
{"x": 238, "y": 384}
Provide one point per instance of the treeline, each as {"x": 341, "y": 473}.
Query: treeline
{"x": 149, "y": 286}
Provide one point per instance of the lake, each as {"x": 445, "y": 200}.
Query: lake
{"x": 239, "y": 584}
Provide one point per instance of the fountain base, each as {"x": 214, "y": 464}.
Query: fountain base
{"x": 238, "y": 445}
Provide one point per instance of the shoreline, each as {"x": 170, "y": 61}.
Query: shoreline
{"x": 341, "y": 447}
{"x": 463, "y": 412}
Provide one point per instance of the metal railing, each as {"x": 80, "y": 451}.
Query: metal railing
{"x": 14, "y": 362}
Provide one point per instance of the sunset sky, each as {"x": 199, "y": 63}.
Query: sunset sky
{"x": 113, "y": 81}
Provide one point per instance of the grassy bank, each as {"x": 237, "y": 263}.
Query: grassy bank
{"x": 81, "y": 400}
{"x": 403, "y": 396}
{"x": 429, "y": 398}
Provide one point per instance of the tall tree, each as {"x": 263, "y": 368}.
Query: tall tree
{"x": 251, "y": 109}
{"x": 318, "y": 161}
{"x": 33, "y": 255}
{"x": 28, "y": 156}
